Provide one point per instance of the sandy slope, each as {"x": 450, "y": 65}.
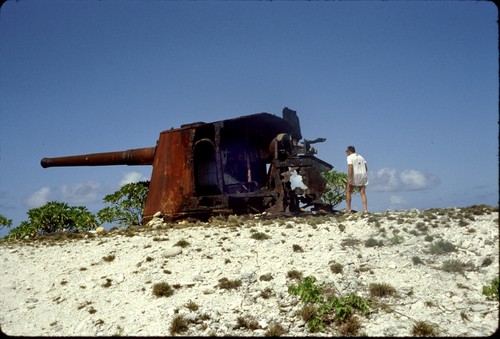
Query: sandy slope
{"x": 103, "y": 284}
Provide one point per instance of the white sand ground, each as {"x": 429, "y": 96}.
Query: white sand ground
{"x": 102, "y": 285}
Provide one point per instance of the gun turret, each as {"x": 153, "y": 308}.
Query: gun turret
{"x": 137, "y": 156}
{"x": 235, "y": 166}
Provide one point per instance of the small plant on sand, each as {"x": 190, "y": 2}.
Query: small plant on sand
{"x": 328, "y": 309}
{"x": 259, "y": 236}
{"x": 307, "y": 290}
{"x": 227, "y": 284}
{"x": 336, "y": 268}
{"x": 247, "y": 322}
{"x": 371, "y": 242}
{"x": 266, "y": 293}
{"x": 108, "y": 283}
{"x": 456, "y": 266}
{"x": 396, "y": 240}
{"x": 308, "y": 312}
{"x": 350, "y": 327}
{"x": 275, "y": 330}
{"x": 441, "y": 247}
{"x": 109, "y": 258}
{"x": 192, "y": 306}
{"x": 491, "y": 291}
{"x": 162, "y": 289}
{"x": 381, "y": 290}
{"x": 182, "y": 243}
{"x": 423, "y": 329}
{"x": 294, "y": 274}
{"x": 416, "y": 260}
{"x": 178, "y": 325}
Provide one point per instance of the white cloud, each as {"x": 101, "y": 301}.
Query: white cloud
{"x": 130, "y": 177}
{"x": 388, "y": 180}
{"x": 384, "y": 180}
{"x": 80, "y": 193}
{"x": 39, "y": 198}
{"x": 396, "y": 200}
{"x": 414, "y": 180}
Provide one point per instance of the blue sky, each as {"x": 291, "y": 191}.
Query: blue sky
{"x": 412, "y": 84}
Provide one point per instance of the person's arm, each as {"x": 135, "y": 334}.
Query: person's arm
{"x": 349, "y": 174}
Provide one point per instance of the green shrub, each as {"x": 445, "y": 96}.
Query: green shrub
{"x": 5, "y": 222}
{"x": 491, "y": 292}
{"x": 54, "y": 217}
{"x": 341, "y": 307}
{"x": 127, "y": 204}
{"x": 336, "y": 183}
{"x": 306, "y": 290}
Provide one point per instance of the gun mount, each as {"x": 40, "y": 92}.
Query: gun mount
{"x": 236, "y": 166}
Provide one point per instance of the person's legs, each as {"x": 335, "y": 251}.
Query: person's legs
{"x": 362, "y": 190}
{"x": 348, "y": 197}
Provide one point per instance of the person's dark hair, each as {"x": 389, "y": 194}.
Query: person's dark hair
{"x": 351, "y": 148}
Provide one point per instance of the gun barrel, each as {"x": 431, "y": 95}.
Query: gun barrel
{"x": 137, "y": 156}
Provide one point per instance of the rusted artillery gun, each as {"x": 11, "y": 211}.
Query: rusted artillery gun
{"x": 236, "y": 166}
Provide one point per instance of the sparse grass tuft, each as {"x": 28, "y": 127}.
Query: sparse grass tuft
{"x": 294, "y": 274}
{"x": 227, "y": 284}
{"x": 259, "y": 236}
{"x": 108, "y": 283}
{"x": 275, "y": 330}
{"x": 486, "y": 262}
{"x": 373, "y": 242}
{"x": 162, "y": 289}
{"x": 396, "y": 240}
{"x": 350, "y": 327}
{"x": 441, "y": 247}
{"x": 456, "y": 266}
{"x": 182, "y": 243}
{"x": 248, "y": 323}
{"x": 308, "y": 312}
{"x": 336, "y": 268}
{"x": 179, "y": 325}
{"x": 416, "y": 260}
{"x": 266, "y": 277}
{"x": 423, "y": 329}
{"x": 350, "y": 242}
{"x": 109, "y": 258}
{"x": 266, "y": 293}
{"x": 381, "y": 290}
{"x": 192, "y": 306}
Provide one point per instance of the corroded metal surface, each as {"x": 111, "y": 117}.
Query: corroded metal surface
{"x": 235, "y": 166}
